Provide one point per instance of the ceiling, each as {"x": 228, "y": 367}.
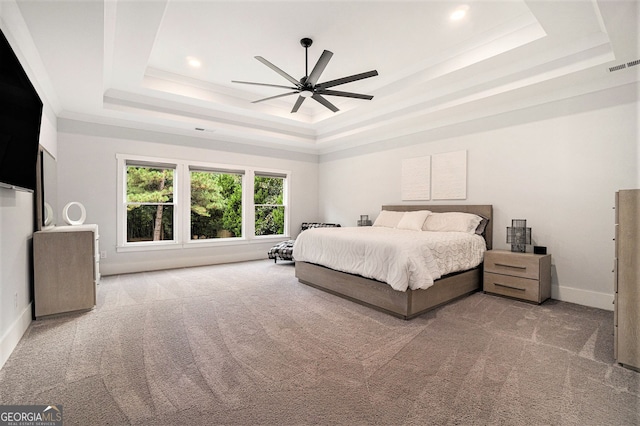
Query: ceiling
{"x": 126, "y": 63}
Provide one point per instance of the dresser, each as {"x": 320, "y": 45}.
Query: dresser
{"x": 524, "y": 276}
{"x": 66, "y": 269}
{"x": 627, "y": 278}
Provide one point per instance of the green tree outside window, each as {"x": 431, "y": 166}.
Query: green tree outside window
{"x": 269, "y": 207}
{"x": 216, "y": 205}
{"x": 149, "y": 203}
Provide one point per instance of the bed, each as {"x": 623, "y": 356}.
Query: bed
{"x": 412, "y": 302}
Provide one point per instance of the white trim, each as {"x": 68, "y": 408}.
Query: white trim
{"x": 182, "y": 204}
{"x": 285, "y": 199}
{"x": 149, "y": 246}
{"x": 14, "y": 333}
{"x": 122, "y": 245}
{"x": 583, "y": 297}
{"x": 178, "y": 197}
{"x": 248, "y": 214}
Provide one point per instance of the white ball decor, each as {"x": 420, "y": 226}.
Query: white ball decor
{"x": 65, "y": 213}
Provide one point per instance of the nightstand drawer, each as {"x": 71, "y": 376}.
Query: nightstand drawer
{"x": 507, "y": 285}
{"x": 515, "y": 264}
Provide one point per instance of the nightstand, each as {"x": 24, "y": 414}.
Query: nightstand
{"x": 524, "y": 276}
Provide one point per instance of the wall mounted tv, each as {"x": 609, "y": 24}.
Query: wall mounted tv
{"x": 20, "y": 114}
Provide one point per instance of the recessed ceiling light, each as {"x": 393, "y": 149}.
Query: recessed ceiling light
{"x": 459, "y": 13}
{"x": 194, "y": 62}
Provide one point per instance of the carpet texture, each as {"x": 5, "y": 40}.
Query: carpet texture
{"x": 246, "y": 344}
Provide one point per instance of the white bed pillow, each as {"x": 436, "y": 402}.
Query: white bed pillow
{"x": 413, "y": 220}
{"x": 452, "y": 222}
{"x": 388, "y": 219}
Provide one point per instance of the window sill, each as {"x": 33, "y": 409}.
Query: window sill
{"x": 196, "y": 244}
{"x": 148, "y": 247}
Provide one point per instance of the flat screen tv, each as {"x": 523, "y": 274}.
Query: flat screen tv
{"x": 20, "y": 115}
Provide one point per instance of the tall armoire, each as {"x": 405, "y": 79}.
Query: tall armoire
{"x": 627, "y": 279}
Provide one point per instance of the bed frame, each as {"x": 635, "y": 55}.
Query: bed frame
{"x": 404, "y": 304}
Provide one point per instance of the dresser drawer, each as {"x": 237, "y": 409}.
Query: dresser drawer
{"x": 515, "y": 264}
{"x": 507, "y": 285}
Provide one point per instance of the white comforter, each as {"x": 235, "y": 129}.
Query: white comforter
{"x": 402, "y": 258}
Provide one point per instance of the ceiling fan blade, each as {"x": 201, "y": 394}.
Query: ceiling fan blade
{"x": 345, "y": 94}
{"x": 276, "y": 96}
{"x": 325, "y": 102}
{"x": 278, "y": 70}
{"x": 264, "y": 84}
{"x": 349, "y": 79}
{"x": 319, "y": 68}
{"x": 299, "y": 102}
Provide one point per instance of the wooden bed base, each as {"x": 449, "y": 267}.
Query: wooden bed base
{"x": 404, "y": 304}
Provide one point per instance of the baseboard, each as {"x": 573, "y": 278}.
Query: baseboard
{"x": 183, "y": 262}
{"x": 583, "y": 297}
{"x": 10, "y": 339}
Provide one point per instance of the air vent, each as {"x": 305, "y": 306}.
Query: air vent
{"x": 623, "y": 66}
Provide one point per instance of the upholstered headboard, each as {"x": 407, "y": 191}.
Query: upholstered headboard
{"x": 481, "y": 210}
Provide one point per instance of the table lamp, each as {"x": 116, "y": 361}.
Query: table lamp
{"x": 518, "y": 235}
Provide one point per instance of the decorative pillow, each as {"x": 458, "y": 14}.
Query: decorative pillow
{"x": 452, "y": 222}
{"x": 388, "y": 219}
{"x": 413, "y": 220}
{"x": 482, "y": 225}
{"x": 309, "y": 225}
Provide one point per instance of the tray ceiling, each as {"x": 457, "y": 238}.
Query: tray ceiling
{"x": 126, "y": 63}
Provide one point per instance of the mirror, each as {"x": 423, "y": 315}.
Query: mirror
{"x": 47, "y": 190}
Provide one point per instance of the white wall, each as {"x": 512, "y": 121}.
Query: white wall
{"x": 16, "y": 231}
{"x": 16, "y": 228}
{"x": 17, "y": 208}
{"x": 559, "y": 173}
{"x": 87, "y": 172}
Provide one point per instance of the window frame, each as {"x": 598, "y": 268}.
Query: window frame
{"x": 285, "y": 201}
{"x": 182, "y": 203}
{"x": 213, "y": 168}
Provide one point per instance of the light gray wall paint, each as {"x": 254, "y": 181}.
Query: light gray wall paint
{"x": 16, "y": 231}
{"x": 559, "y": 173}
{"x": 16, "y": 228}
{"x": 87, "y": 171}
{"x": 17, "y": 208}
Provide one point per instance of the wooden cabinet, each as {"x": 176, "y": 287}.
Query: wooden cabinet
{"x": 66, "y": 269}
{"x": 523, "y": 276}
{"x": 627, "y": 279}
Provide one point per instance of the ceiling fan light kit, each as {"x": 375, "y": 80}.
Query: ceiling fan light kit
{"x": 308, "y": 86}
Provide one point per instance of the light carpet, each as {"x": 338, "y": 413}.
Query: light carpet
{"x": 246, "y": 344}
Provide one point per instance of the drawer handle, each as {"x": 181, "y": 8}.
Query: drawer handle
{"x": 524, "y": 268}
{"x": 511, "y": 287}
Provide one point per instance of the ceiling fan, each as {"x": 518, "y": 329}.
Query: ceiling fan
{"x": 308, "y": 85}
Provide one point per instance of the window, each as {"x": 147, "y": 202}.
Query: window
{"x": 149, "y": 203}
{"x": 178, "y": 204}
{"x": 268, "y": 200}
{"x": 216, "y": 204}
